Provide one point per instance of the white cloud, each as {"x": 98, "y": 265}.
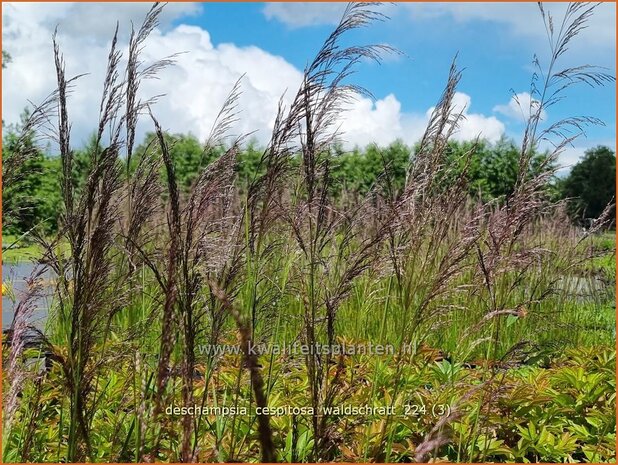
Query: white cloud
{"x": 202, "y": 78}
{"x": 521, "y": 19}
{"x": 195, "y": 87}
{"x": 383, "y": 121}
{"x": 520, "y": 107}
{"x": 377, "y": 122}
{"x": 568, "y": 158}
{"x": 92, "y": 21}
{"x": 475, "y": 124}
{"x": 300, "y": 14}
{"x": 571, "y": 155}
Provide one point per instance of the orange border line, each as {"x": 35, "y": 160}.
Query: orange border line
{"x": 267, "y": 1}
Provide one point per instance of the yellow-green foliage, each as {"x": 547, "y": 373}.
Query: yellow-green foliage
{"x": 562, "y": 413}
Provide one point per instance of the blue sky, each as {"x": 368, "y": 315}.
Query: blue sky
{"x": 496, "y": 56}
{"x": 273, "y": 42}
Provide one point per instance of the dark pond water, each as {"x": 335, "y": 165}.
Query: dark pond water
{"x": 16, "y": 274}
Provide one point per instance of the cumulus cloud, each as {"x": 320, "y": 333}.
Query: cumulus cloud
{"x": 520, "y": 107}
{"x": 474, "y": 124}
{"x": 195, "y": 87}
{"x": 382, "y": 121}
{"x": 568, "y": 158}
{"x": 379, "y": 122}
{"x": 571, "y": 155}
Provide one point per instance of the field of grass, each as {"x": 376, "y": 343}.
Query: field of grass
{"x": 270, "y": 320}
{"x": 17, "y": 250}
{"x": 551, "y": 399}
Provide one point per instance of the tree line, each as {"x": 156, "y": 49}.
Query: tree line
{"x": 33, "y": 197}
